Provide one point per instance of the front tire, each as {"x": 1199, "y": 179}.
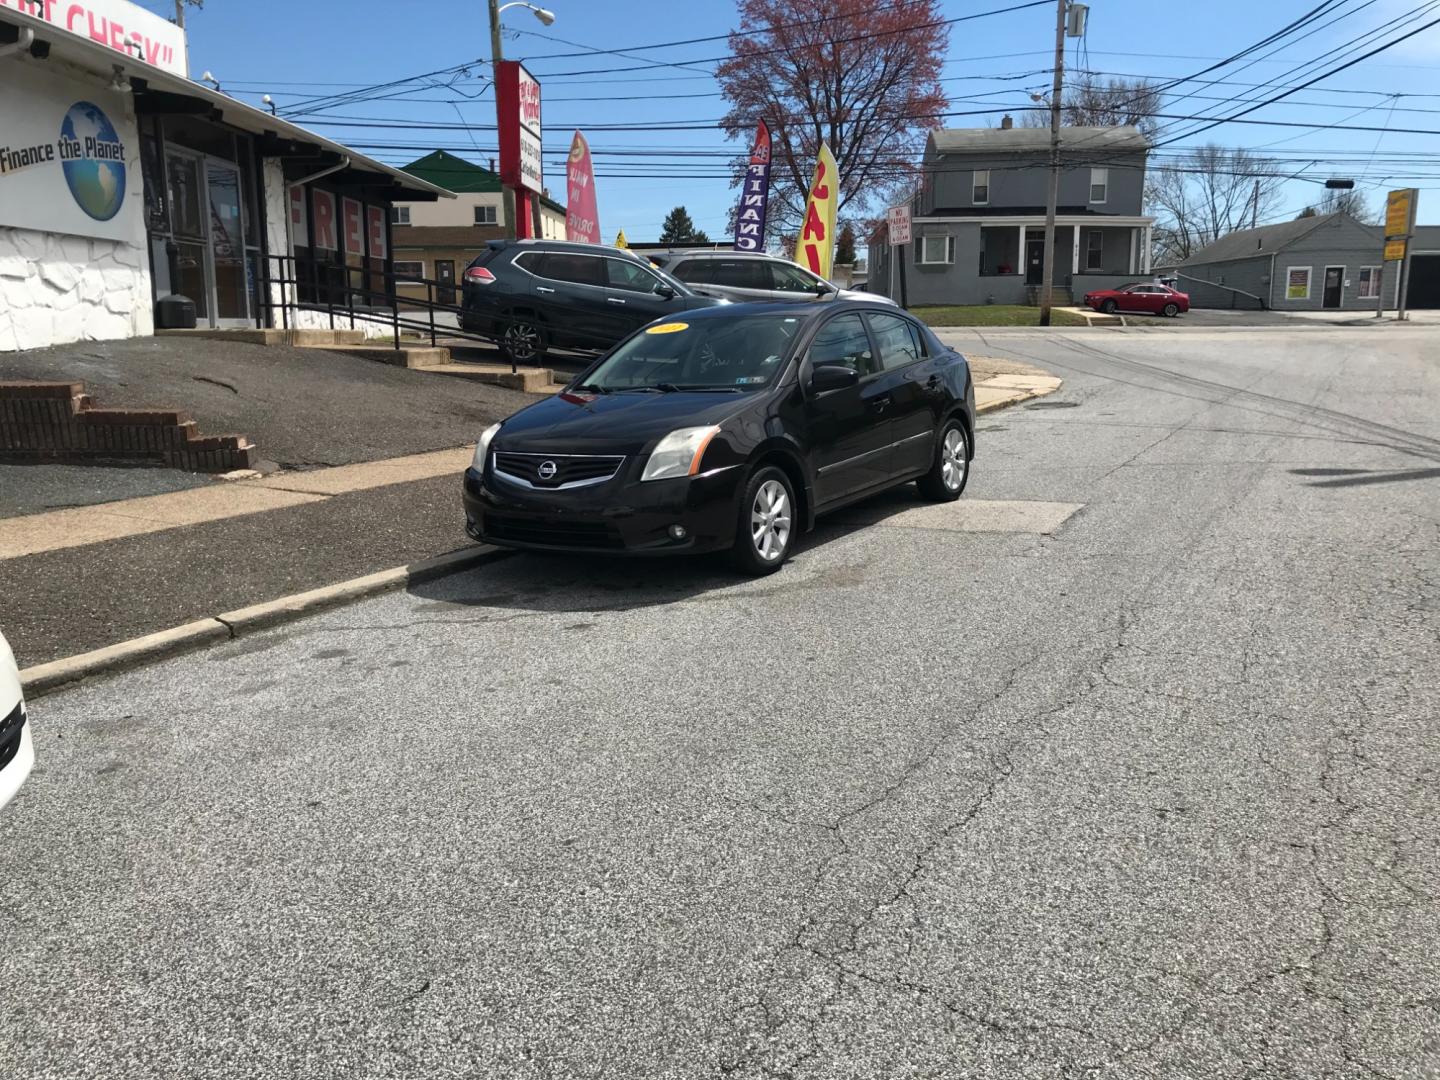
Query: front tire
{"x": 1170, "y": 310}
{"x": 1108, "y": 307}
{"x": 950, "y": 471}
{"x": 523, "y": 339}
{"x": 765, "y": 531}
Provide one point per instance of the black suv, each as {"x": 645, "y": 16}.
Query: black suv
{"x": 532, "y": 295}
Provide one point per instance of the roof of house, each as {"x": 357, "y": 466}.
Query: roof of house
{"x": 1266, "y": 240}
{"x": 455, "y": 173}
{"x": 1023, "y": 140}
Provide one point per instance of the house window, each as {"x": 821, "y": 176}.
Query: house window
{"x": 400, "y": 215}
{"x": 935, "y": 249}
{"x": 1297, "y": 283}
{"x": 1369, "y": 282}
{"x": 1099, "y": 185}
{"x": 980, "y": 190}
{"x": 485, "y": 215}
{"x": 1094, "y": 249}
{"x": 413, "y": 270}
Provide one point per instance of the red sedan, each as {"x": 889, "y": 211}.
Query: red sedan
{"x": 1151, "y": 299}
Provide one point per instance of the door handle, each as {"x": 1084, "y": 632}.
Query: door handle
{"x": 881, "y": 403}
{"x": 933, "y": 381}
{"x": 542, "y": 288}
{"x": 613, "y": 300}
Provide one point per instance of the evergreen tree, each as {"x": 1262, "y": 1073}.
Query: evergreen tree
{"x": 679, "y": 229}
{"x": 845, "y": 245}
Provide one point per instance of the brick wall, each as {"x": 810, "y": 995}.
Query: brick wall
{"x": 57, "y": 422}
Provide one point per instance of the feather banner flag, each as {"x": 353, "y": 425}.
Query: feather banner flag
{"x": 750, "y": 219}
{"x": 582, "y": 219}
{"x": 816, "y": 247}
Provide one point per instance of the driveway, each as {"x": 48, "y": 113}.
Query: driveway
{"x": 1124, "y": 766}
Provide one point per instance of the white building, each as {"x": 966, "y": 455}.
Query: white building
{"x": 122, "y": 181}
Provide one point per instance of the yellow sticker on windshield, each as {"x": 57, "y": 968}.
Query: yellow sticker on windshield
{"x": 668, "y": 328}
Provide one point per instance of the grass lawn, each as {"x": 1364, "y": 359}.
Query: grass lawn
{"x": 992, "y": 315}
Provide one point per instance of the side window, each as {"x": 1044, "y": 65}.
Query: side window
{"x": 895, "y": 340}
{"x": 579, "y": 269}
{"x": 741, "y": 273}
{"x": 532, "y": 261}
{"x": 624, "y": 274}
{"x": 695, "y": 271}
{"x": 843, "y": 340}
{"x": 787, "y": 278}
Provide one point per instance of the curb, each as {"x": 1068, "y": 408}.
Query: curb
{"x": 1019, "y": 396}
{"x": 44, "y": 678}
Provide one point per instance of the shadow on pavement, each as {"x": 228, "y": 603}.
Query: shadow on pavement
{"x": 582, "y": 583}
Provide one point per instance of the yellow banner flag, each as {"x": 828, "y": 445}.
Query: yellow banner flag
{"x": 620, "y": 240}
{"x": 816, "y": 247}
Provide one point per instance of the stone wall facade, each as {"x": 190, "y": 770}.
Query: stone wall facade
{"x": 56, "y": 289}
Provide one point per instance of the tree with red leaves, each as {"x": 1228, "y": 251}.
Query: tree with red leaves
{"x": 861, "y": 77}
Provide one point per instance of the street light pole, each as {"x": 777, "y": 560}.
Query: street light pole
{"x": 1048, "y": 280}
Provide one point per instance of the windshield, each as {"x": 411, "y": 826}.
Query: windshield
{"x": 733, "y": 354}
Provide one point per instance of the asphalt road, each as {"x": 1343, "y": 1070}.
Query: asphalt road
{"x": 1143, "y": 789}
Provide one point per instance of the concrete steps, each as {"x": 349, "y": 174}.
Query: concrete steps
{"x": 304, "y": 338}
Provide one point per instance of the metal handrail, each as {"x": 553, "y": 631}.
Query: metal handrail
{"x": 331, "y": 288}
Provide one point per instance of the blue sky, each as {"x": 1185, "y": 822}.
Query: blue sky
{"x": 299, "y": 51}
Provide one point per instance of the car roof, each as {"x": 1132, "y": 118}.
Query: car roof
{"x": 785, "y": 307}
{"x": 712, "y": 253}
{"x": 567, "y": 245}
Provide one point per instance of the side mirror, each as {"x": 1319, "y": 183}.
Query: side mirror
{"x": 664, "y": 291}
{"x": 827, "y": 377}
{"x": 822, "y": 289}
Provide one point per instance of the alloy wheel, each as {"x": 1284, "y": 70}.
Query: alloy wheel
{"x": 952, "y": 459}
{"x": 522, "y": 340}
{"x": 770, "y": 521}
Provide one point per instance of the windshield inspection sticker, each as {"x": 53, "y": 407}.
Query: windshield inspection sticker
{"x": 744, "y": 379}
{"x": 668, "y": 328}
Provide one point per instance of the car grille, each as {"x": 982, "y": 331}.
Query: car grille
{"x": 581, "y": 534}
{"x": 553, "y": 471}
{"x": 10, "y": 734}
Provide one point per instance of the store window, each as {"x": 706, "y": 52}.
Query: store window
{"x": 400, "y": 215}
{"x": 1369, "y": 282}
{"x": 409, "y": 270}
{"x": 485, "y": 215}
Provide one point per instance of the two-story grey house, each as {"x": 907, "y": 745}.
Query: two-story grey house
{"x": 978, "y": 224}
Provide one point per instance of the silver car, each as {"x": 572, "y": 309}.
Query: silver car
{"x": 746, "y": 276}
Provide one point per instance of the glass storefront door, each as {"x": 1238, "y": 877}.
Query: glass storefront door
{"x": 227, "y": 242}
{"x": 207, "y": 224}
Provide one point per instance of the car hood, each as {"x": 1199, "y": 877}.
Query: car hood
{"x": 619, "y": 423}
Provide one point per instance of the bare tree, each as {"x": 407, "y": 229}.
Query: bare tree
{"x": 1204, "y": 193}
{"x": 1117, "y": 102}
{"x": 862, "y": 78}
{"x": 1353, "y": 202}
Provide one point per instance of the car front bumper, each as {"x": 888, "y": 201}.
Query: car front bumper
{"x": 17, "y": 752}
{"x": 618, "y": 517}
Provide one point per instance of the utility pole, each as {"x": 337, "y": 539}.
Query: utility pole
{"x": 1048, "y": 281}
{"x": 1255, "y": 210}
{"x": 508, "y": 193}
{"x": 180, "y": 10}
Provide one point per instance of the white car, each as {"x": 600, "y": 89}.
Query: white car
{"x": 17, "y": 753}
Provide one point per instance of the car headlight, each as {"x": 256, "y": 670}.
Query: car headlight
{"x": 483, "y": 447}
{"x": 679, "y": 453}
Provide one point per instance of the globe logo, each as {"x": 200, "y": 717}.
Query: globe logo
{"x": 93, "y": 159}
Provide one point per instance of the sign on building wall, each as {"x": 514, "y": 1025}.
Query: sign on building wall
{"x": 518, "y": 98}
{"x": 299, "y": 223}
{"x": 375, "y": 220}
{"x": 117, "y": 24}
{"x": 350, "y": 220}
{"x": 69, "y": 157}
{"x": 324, "y": 209}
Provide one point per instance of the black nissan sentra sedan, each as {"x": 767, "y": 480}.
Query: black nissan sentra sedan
{"x": 728, "y": 428}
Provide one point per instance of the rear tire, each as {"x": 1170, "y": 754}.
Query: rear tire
{"x": 1108, "y": 307}
{"x": 950, "y": 471}
{"x": 523, "y": 339}
{"x": 766, "y": 528}
{"x": 1170, "y": 310}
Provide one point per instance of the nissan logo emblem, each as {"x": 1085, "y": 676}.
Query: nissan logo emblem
{"x": 547, "y": 470}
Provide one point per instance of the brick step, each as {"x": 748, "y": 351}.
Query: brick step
{"x": 57, "y": 422}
